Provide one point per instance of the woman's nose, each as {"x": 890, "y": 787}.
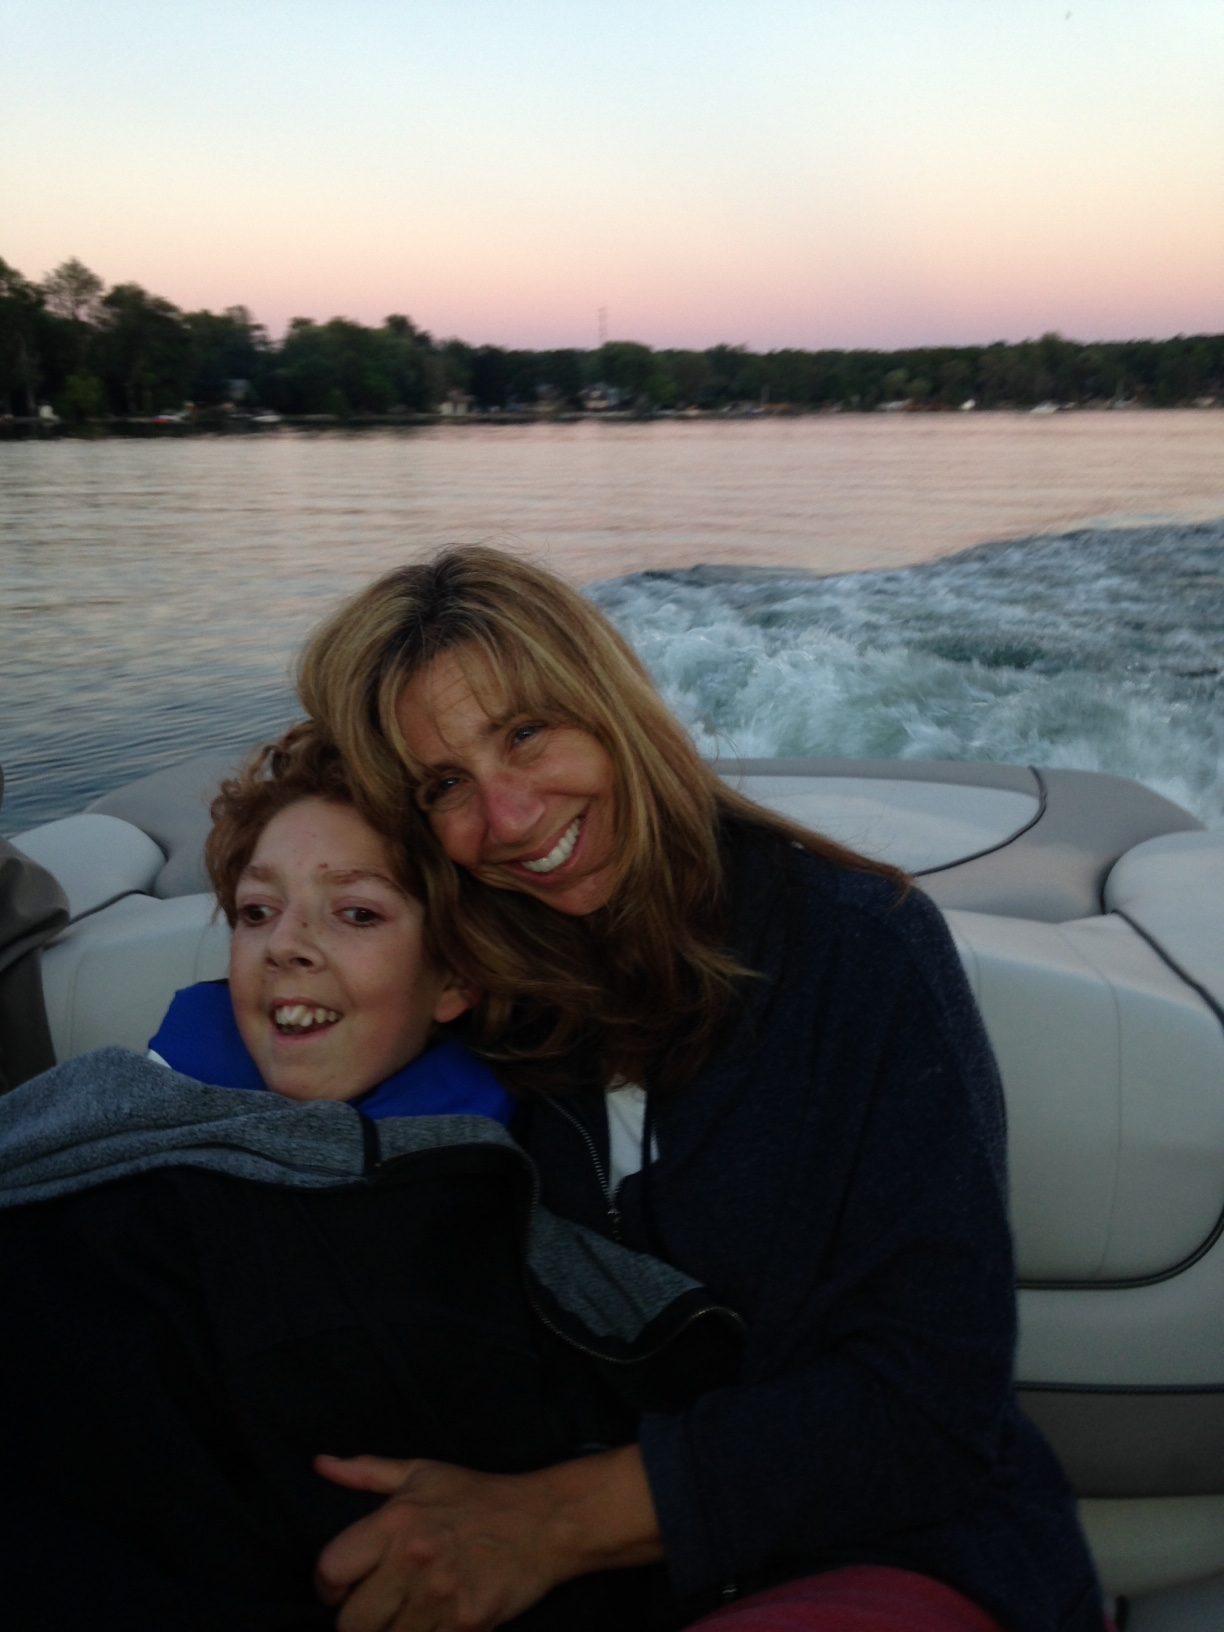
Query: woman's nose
{"x": 512, "y": 807}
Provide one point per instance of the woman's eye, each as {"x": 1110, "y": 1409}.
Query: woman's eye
{"x": 254, "y": 912}
{"x": 524, "y": 733}
{"x": 440, "y": 794}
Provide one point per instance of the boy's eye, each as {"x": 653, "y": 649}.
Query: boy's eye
{"x": 361, "y": 915}
{"x": 254, "y": 912}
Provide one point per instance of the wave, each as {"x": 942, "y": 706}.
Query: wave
{"x": 1099, "y": 649}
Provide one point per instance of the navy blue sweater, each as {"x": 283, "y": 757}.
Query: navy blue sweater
{"x": 837, "y": 1174}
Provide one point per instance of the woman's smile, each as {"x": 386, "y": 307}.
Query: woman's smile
{"x": 522, "y": 803}
{"x": 560, "y": 852}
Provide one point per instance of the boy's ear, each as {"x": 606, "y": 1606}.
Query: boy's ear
{"x": 453, "y": 1000}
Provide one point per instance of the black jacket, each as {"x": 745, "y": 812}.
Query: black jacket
{"x": 203, "y": 1289}
{"x": 837, "y": 1175}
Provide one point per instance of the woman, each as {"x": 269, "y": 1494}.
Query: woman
{"x": 751, "y": 1053}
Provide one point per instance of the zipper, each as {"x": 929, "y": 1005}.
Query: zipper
{"x": 542, "y": 1315}
{"x": 614, "y": 1220}
{"x": 690, "y": 1319}
{"x": 613, "y": 1211}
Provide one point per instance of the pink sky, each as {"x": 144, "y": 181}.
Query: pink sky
{"x": 773, "y": 172}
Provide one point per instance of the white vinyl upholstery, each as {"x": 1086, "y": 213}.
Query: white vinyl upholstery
{"x": 914, "y": 825}
{"x": 1143, "y": 1547}
{"x": 95, "y": 859}
{"x": 109, "y": 978}
{"x": 1173, "y": 889}
{"x": 1113, "y": 1070}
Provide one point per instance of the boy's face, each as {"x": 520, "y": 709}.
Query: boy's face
{"x": 329, "y": 981}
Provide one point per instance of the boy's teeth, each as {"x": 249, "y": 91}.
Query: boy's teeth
{"x": 302, "y": 1017}
{"x": 561, "y": 851}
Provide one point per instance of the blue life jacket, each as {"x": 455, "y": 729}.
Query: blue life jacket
{"x": 200, "y": 1038}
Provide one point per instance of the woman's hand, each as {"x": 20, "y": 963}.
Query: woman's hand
{"x": 456, "y": 1551}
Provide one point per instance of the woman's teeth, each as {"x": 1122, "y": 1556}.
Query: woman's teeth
{"x": 561, "y": 851}
{"x": 300, "y": 1017}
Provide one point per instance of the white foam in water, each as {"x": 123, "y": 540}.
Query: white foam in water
{"x": 1099, "y": 650}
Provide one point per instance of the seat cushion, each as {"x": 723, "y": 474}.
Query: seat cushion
{"x": 95, "y": 859}
{"x": 109, "y": 978}
{"x": 1172, "y": 890}
{"x": 1113, "y": 1071}
{"x": 171, "y": 806}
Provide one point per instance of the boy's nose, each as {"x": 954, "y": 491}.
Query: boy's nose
{"x": 292, "y": 944}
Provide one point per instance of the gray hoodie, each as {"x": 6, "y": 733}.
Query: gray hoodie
{"x": 111, "y": 1114}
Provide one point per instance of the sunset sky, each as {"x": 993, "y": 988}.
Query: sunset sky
{"x": 771, "y": 172}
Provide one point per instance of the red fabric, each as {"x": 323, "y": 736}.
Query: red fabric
{"x": 859, "y": 1598}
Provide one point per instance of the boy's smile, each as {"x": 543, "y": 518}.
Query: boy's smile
{"x": 292, "y": 1019}
{"x": 330, "y": 984}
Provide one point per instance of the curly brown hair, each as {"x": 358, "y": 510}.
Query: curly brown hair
{"x": 299, "y": 765}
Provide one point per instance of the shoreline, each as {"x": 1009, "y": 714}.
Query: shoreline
{"x": 213, "y": 422}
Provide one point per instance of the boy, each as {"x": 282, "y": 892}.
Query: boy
{"x": 333, "y": 992}
{"x": 210, "y": 1290}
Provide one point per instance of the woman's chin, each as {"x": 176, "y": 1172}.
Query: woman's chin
{"x": 575, "y": 894}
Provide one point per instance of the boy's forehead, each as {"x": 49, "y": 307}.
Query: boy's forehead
{"x": 344, "y": 876}
{"x": 327, "y": 874}
{"x": 327, "y": 841}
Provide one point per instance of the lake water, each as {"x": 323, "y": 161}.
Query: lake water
{"x": 152, "y": 592}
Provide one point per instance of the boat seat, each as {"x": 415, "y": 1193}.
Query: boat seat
{"x": 109, "y": 977}
{"x": 983, "y": 837}
{"x": 1007, "y": 839}
{"x": 1113, "y": 1071}
{"x": 96, "y": 859}
{"x": 171, "y": 806}
{"x": 1172, "y": 889}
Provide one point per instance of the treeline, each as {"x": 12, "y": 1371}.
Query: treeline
{"x": 88, "y": 352}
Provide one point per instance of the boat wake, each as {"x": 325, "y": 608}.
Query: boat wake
{"x": 1099, "y": 649}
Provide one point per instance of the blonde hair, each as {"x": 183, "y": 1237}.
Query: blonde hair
{"x": 642, "y": 984}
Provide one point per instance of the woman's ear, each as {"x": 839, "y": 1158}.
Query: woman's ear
{"x": 453, "y": 1000}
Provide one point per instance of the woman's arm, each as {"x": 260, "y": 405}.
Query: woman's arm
{"x": 456, "y": 1551}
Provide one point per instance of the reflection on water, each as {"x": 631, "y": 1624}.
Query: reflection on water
{"x": 152, "y": 592}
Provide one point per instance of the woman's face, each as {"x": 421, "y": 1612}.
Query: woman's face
{"x": 521, "y": 804}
